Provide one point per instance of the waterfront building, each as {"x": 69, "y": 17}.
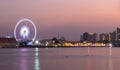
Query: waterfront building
{"x": 8, "y": 42}
{"x": 105, "y": 36}
{"x": 113, "y": 36}
{"x": 89, "y": 37}
{"x": 118, "y": 34}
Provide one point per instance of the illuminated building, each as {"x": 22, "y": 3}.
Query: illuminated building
{"x": 118, "y": 34}
{"x": 89, "y": 37}
{"x": 113, "y": 36}
{"x": 105, "y": 36}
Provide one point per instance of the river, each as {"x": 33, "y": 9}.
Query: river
{"x": 60, "y": 58}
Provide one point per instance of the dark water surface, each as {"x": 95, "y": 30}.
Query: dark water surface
{"x": 60, "y": 59}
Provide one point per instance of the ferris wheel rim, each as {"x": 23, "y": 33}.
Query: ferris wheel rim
{"x": 30, "y": 22}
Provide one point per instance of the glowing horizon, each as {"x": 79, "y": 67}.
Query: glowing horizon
{"x": 69, "y": 18}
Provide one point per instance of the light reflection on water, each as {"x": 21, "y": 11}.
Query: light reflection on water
{"x": 60, "y": 59}
{"x": 110, "y": 59}
{"x": 23, "y": 63}
{"x": 103, "y": 62}
{"x": 37, "y": 65}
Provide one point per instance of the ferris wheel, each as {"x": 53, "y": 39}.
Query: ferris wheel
{"x": 25, "y": 31}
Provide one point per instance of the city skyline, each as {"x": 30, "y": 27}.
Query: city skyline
{"x": 69, "y": 18}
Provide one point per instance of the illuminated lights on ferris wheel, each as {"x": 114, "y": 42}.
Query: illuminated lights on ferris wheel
{"x": 25, "y": 30}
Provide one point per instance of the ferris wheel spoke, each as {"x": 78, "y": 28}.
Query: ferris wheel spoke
{"x": 23, "y": 34}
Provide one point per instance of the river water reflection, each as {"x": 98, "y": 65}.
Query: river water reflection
{"x": 60, "y": 59}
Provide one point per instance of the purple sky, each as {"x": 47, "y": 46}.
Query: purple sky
{"x": 69, "y": 18}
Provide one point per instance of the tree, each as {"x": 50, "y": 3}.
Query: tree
{"x": 55, "y": 40}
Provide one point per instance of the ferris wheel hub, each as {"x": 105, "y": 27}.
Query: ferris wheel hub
{"x": 24, "y": 31}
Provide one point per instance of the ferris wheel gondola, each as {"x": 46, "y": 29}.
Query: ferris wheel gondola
{"x": 25, "y": 31}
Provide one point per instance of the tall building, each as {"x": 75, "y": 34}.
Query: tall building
{"x": 118, "y": 34}
{"x": 113, "y": 36}
{"x": 81, "y": 38}
{"x": 105, "y": 36}
{"x": 89, "y": 37}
